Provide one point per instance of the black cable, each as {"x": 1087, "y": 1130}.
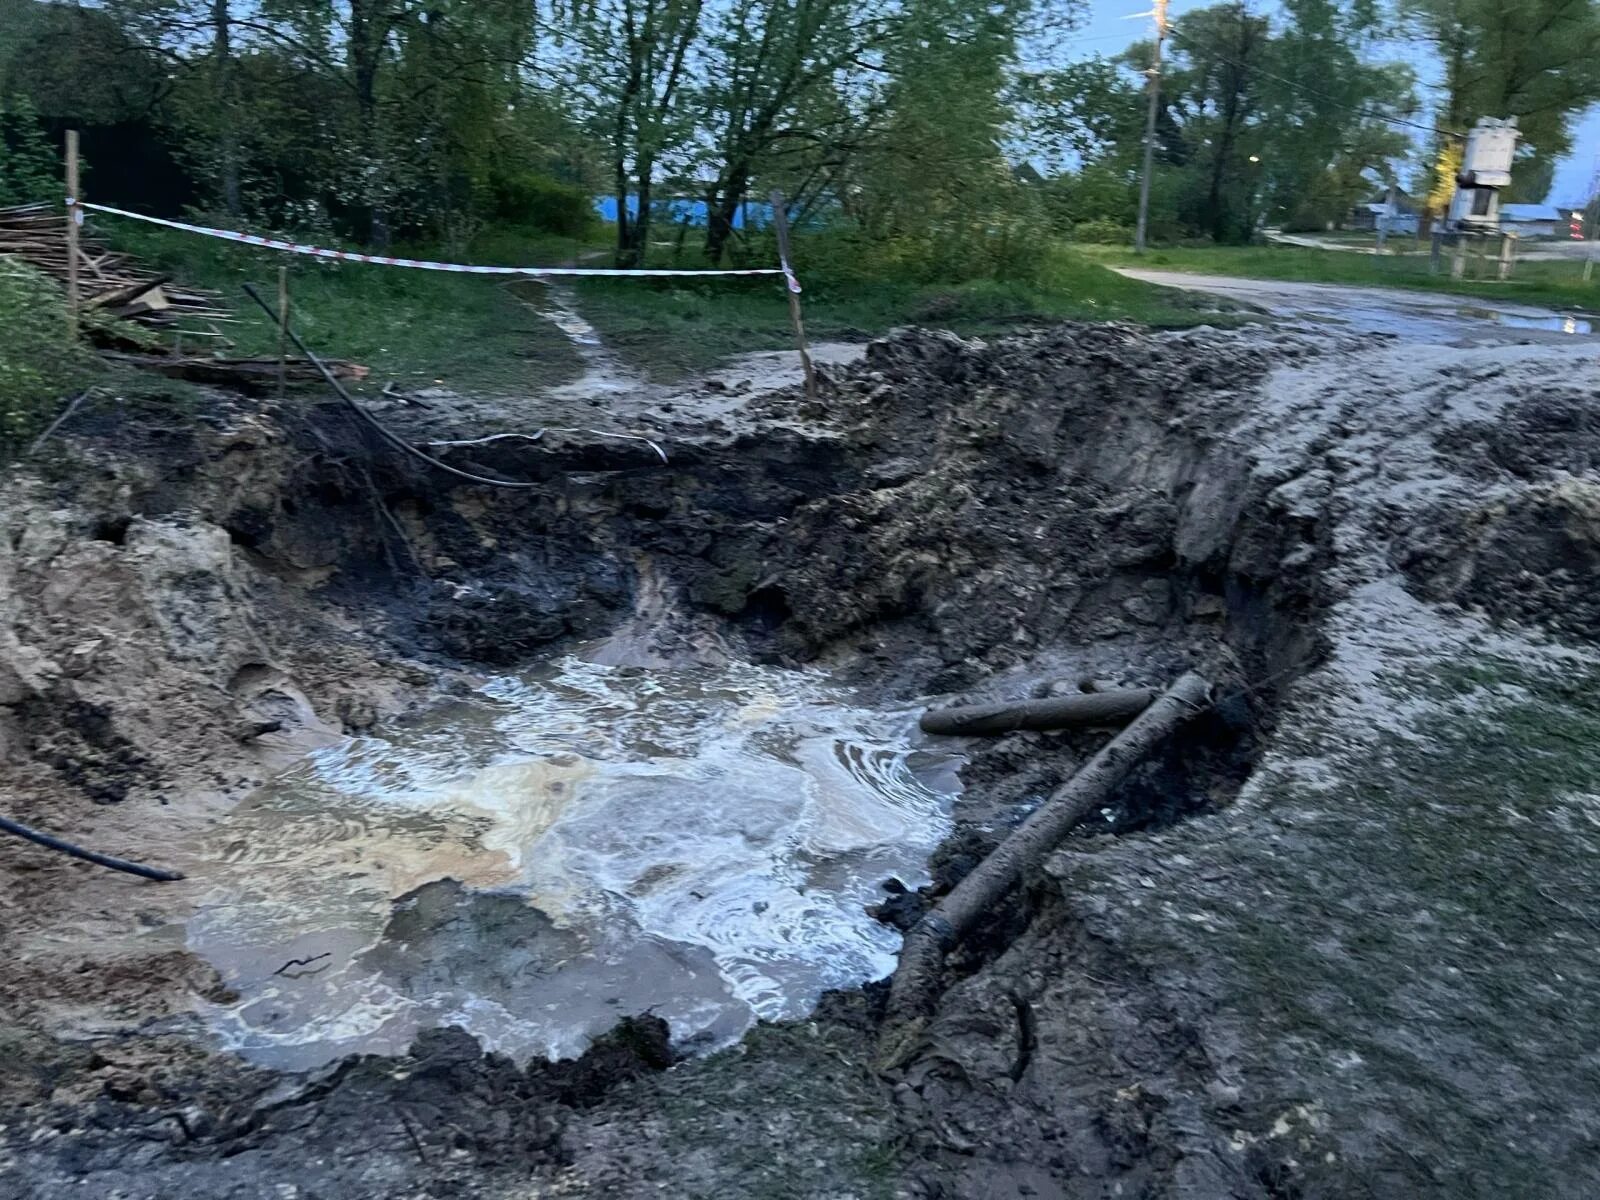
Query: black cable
{"x": 103, "y": 860}
{"x": 388, "y": 435}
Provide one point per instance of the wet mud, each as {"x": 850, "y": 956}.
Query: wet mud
{"x": 612, "y": 769}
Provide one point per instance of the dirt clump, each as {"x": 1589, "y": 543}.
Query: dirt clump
{"x": 1530, "y": 557}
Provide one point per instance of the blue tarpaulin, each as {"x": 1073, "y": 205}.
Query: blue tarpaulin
{"x": 677, "y": 212}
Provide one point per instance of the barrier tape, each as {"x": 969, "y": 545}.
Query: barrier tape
{"x": 251, "y": 239}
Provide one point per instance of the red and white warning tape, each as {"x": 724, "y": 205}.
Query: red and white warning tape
{"x": 423, "y": 264}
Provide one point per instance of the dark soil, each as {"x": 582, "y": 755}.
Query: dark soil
{"x": 948, "y": 517}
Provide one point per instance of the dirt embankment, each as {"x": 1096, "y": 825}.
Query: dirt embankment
{"x": 184, "y": 604}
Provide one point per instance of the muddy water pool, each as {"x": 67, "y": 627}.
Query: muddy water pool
{"x": 567, "y": 847}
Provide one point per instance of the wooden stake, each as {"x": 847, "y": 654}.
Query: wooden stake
{"x": 283, "y": 328}
{"x": 780, "y": 221}
{"x": 74, "y": 214}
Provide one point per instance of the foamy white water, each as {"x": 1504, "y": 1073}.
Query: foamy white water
{"x": 698, "y": 842}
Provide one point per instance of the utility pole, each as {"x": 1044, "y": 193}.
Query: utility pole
{"x": 1160, "y": 14}
{"x": 1591, "y": 210}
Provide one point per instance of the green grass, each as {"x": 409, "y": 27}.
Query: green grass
{"x": 479, "y": 334}
{"x": 39, "y": 370}
{"x": 673, "y": 328}
{"x": 415, "y": 328}
{"x": 1547, "y": 284}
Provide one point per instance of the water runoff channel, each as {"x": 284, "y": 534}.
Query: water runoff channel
{"x": 566, "y": 847}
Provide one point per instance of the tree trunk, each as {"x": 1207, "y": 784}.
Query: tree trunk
{"x": 620, "y": 185}
{"x": 366, "y": 51}
{"x": 639, "y": 235}
{"x": 721, "y": 210}
{"x": 227, "y": 108}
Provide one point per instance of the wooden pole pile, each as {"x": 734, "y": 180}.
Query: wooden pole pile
{"x": 117, "y": 283}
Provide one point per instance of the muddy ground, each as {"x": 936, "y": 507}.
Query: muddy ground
{"x": 1337, "y": 939}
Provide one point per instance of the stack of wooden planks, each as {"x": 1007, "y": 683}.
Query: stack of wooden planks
{"x": 116, "y": 283}
{"x": 119, "y": 285}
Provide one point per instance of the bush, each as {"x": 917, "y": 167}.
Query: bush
{"x": 36, "y": 369}
{"x": 27, "y": 161}
{"x": 846, "y": 258}
{"x": 539, "y": 202}
{"x": 1102, "y": 231}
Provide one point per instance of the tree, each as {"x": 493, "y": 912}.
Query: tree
{"x": 1330, "y": 113}
{"x": 631, "y": 73}
{"x": 1536, "y": 60}
{"x": 1215, "y": 88}
{"x": 934, "y": 171}
{"x": 27, "y": 161}
{"x": 772, "y": 81}
{"x": 1292, "y": 121}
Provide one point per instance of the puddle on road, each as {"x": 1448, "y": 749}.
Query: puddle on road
{"x": 1552, "y": 322}
{"x": 577, "y": 844}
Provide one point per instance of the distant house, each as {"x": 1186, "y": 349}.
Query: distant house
{"x": 1372, "y": 215}
{"x": 1533, "y": 220}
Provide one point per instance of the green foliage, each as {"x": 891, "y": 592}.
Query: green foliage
{"x": 1105, "y": 231}
{"x": 535, "y": 201}
{"x": 939, "y": 176}
{"x": 37, "y": 368}
{"x": 1536, "y": 60}
{"x": 27, "y": 162}
{"x": 1260, "y": 121}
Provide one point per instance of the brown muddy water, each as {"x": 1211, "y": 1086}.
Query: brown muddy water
{"x": 699, "y": 842}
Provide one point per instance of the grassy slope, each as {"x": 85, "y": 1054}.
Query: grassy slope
{"x": 414, "y": 327}
{"x": 1548, "y": 284}
{"x": 473, "y": 334}
{"x": 675, "y": 327}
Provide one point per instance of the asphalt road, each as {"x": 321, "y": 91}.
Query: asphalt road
{"x": 1414, "y": 316}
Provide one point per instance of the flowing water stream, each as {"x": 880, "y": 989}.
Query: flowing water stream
{"x": 567, "y": 847}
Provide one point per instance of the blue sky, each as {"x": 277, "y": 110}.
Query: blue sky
{"x": 1107, "y": 30}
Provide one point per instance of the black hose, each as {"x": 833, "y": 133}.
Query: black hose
{"x": 388, "y": 435}
{"x": 104, "y": 860}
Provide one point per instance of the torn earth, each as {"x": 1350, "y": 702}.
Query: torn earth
{"x": 1279, "y": 959}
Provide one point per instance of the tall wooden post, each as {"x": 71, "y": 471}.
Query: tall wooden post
{"x": 74, "y": 215}
{"x": 780, "y": 223}
{"x": 1142, "y": 220}
{"x": 283, "y": 327}
{"x": 1508, "y": 254}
